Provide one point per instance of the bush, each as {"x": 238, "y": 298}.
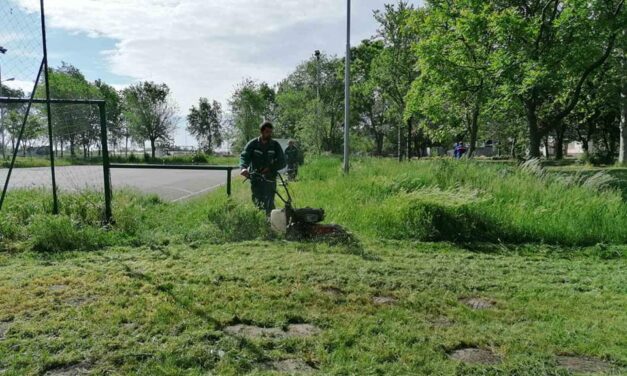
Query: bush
{"x": 58, "y": 233}
{"x": 199, "y": 157}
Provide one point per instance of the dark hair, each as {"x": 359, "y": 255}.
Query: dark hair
{"x": 265, "y": 125}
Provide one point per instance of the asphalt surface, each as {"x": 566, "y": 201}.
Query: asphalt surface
{"x": 171, "y": 185}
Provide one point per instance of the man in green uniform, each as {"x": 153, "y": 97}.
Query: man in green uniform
{"x": 291, "y": 155}
{"x": 263, "y": 156}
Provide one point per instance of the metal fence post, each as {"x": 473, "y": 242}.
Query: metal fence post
{"x": 55, "y": 200}
{"x": 228, "y": 182}
{"x": 106, "y": 165}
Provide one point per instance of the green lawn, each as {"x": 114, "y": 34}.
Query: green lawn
{"x": 203, "y": 288}
{"x": 163, "y": 311}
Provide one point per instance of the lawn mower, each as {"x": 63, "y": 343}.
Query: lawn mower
{"x": 299, "y": 223}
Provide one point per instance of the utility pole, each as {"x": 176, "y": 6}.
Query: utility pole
{"x": 347, "y": 83}
{"x": 318, "y": 112}
{"x": 317, "y": 54}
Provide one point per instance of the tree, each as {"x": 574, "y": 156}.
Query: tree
{"x": 395, "y": 68}
{"x": 316, "y": 122}
{"x": 370, "y": 105}
{"x": 251, "y": 104}
{"x": 113, "y": 101}
{"x": 74, "y": 124}
{"x": 454, "y": 59}
{"x": 547, "y": 52}
{"x": 5, "y": 110}
{"x": 205, "y": 123}
{"x": 150, "y": 112}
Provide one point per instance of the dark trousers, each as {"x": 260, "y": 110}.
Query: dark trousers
{"x": 263, "y": 195}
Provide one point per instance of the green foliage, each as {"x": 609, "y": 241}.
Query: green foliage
{"x": 150, "y": 112}
{"x": 251, "y": 104}
{"x": 205, "y": 123}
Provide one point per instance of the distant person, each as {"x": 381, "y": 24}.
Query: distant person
{"x": 261, "y": 161}
{"x": 459, "y": 150}
{"x": 292, "y": 157}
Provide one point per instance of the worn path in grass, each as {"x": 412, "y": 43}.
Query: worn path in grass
{"x": 171, "y": 185}
{"x": 395, "y": 308}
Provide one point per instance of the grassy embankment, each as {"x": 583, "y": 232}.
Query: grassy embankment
{"x": 544, "y": 253}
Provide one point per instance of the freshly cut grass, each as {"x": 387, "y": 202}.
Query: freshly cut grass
{"x": 168, "y": 310}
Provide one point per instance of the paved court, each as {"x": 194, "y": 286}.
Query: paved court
{"x": 173, "y": 185}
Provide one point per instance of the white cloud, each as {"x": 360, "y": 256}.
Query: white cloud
{"x": 25, "y": 86}
{"x": 205, "y": 47}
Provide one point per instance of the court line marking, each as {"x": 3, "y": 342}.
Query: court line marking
{"x": 198, "y": 193}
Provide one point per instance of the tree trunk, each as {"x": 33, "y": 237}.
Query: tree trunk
{"x": 474, "y": 129}
{"x": 126, "y": 148}
{"x": 559, "y": 142}
{"x": 379, "y": 143}
{"x": 512, "y": 151}
{"x": 535, "y": 136}
{"x": 409, "y": 137}
{"x": 152, "y": 147}
{"x": 547, "y": 151}
{"x": 72, "y": 152}
{"x": 400, "y": 143}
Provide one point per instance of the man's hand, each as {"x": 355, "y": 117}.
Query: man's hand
{"x": 245, "y": 173}
{"x": 265, "y": 171}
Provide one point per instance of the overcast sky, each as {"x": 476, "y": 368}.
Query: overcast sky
{"x": 198, "y": 47}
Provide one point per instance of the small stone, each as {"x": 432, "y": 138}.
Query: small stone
{"x": 473, "y": 355}
{"x": 583, "y": 364}
{"x": 478, "y": 303}
{"x": 383, "y": 300}
{"x": 219, "y": 353}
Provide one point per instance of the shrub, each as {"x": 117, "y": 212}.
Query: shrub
{"x": 58, "y": 233}
{"x": 199, "y": 157}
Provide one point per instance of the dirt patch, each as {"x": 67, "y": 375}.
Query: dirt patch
{"x": 57, "y": 287}
{"x": 442, "y": 322}
{"x": 293, "y": 330}
{"x": 581, "y": 364}
{"x": 292, "y": 367}
{"x": 251, "y": 331}
{"x": 384, "y": 300}
{"x": 80, "y": 301}
{"x": 4, "y": 328}
{"x": 478, "y": 303}
{"x": 333, "y": 291}
{"x": 302, "y": 330}
{"x": 473, "y": 355}
{"x": 73, "y": 370}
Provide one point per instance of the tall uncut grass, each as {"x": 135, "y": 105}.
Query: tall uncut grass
{"x": 434, "y": 200}
{"x": 465, "y": 201}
